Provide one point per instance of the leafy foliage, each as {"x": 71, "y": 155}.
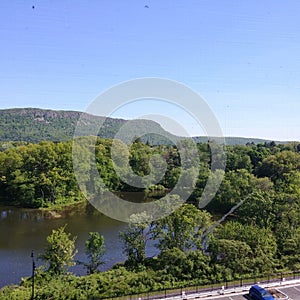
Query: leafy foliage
{"x": 94, "y": 250}
{"x": 260, "y": 237}
{"x": 182, "y": 229}
{"x": 60, "y": 251}
{"x": 134, "y": 240}
{"x": 38, "y": 175}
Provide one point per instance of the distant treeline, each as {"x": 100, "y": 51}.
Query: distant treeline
{"x": 42, "y": 175}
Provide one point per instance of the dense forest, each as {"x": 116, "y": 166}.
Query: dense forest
{"x": 261, "y": 236}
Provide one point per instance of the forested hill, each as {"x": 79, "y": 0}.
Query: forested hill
{"x": 35, "y": 125}
{"x": 232, "y": 140}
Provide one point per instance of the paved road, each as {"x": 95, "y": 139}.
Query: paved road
{"x": 293, "y": 292}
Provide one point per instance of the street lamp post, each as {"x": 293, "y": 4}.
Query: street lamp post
{"x": 33, "y": 273}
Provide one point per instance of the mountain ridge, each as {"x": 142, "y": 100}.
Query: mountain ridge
{"x": 36, "y": 124}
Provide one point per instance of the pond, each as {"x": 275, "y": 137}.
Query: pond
{"x": 24, "y": 230}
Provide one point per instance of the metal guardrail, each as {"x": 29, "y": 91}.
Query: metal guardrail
{"x": 184, "y": 292}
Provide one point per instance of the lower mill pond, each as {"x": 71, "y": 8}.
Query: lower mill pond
{"x": 24, "y": 230}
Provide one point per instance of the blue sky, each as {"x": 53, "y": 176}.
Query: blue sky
{"x": 242, "y": 57}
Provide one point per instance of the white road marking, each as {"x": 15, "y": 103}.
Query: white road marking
{"x": 296, "y": 289}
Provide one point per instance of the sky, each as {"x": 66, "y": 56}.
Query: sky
{"x": 242, "y": 57}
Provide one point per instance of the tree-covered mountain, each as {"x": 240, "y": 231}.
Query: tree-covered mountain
{"x": 35, "y": 125}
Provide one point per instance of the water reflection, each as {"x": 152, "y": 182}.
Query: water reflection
{"x": 24, "y": 230}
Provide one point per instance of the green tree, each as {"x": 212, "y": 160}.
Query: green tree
{"x": 287, "y": 229}
{"x": 134, "y": 240}
{"x": 235, "y": 186}
{"x": 94, "y": 250}
{"x": 38, "y": 175}
{"x": 60, "y": 251}
{"x": 139, "y": 158}
{"x": 237, "y": 157}
{"x": 275, "y": 166}
{"x": 258, "y": 210}
{"x": 174, "y": 262}
{"x": 261, "y": 241}
{"x": 233, "y": 254}
{"x": 182, "y": 229}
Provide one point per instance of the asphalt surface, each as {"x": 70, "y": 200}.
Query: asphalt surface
{"x": 292, "y": 291}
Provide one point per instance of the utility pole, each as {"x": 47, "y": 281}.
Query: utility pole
{"x": 33, "y": 273}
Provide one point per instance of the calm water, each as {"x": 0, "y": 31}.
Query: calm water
{"x": 24, "y": 230}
